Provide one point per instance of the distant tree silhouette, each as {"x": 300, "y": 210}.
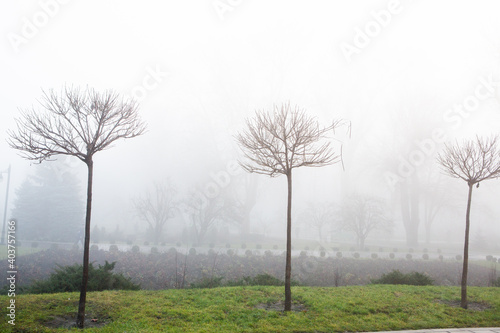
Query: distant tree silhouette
{"x": 156, "y": 208}
{"x": 361, "y": 214}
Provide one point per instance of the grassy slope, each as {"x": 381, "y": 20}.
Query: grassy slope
{"x": 232, "y": 309}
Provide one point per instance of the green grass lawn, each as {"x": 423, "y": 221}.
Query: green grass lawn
{"x": 234, "y": 309}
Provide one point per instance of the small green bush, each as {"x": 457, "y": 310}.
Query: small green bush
{"x": 208, "y": 282}
{"x": 69, "y": 279}
{"x": 396, "y": 277}
{"x": 260, "y": 280}
{"x": 496, "y": 283}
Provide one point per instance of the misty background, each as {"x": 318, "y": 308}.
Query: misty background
{"x": 408, "y": 75}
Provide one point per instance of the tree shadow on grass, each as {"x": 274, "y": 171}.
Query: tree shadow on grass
{"x": 280, "y": 306}
{"x": 473, "y": 306}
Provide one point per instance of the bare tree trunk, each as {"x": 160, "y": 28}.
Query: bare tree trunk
{"x": 80, "y": 320}
{"x": 409, "y": 212}
{"x": 361, "y": 243}
{"x": 288, "y": 268}
{"x": 463, "y": 302}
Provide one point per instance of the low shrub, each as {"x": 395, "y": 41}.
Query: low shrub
{"x": 260, "y": 280}
{"x": 396, "y": 277}
{"x": 69, "y": 279}
{"x": 208, "y": 282}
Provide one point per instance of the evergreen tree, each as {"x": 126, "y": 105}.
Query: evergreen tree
{"x": 48, "y": 205}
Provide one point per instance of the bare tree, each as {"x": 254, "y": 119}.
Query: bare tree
{"x": 473, "y": 161}
{"x": 203, "y": 215}
{"x": 240, "y": 198}
{"x": 361, "y": 214}
{"x": 318, "y": 216}
{"x": 80, "y": 124}
{"x": 156, "y": 208}
{"x": 274, "y": 143}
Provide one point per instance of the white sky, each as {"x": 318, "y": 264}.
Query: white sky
{"x": 216, "y": 68}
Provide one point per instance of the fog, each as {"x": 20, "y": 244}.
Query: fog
{"x": 408, "y": 76}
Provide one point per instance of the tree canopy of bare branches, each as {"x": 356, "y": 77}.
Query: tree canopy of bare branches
{"x": 76, "y": 123}
{"x": 275, "y": 143}
{"x": 472, "y": 161}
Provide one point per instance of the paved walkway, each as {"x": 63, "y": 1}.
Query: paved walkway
{"x": 454, "y": 330}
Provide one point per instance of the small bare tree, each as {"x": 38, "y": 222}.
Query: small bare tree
{"x": 274, "y": 143}
{"x": 361, "y": 214}
{"x": 80, "y": 124}
{"x": 473, "y": 161}
{"x": 156, "y": 208}
{"x": 318, "y": 216}
{"x": 203, "y": 215}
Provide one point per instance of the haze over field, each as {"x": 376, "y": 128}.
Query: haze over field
{"x": 408, "y": 75}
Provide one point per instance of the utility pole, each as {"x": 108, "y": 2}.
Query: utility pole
{"x": 2, "y": 241}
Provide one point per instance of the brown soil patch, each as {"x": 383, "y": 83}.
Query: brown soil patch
{"x": 280, "y": 306}
{"x": 474, "y": 306}
{"x": 69, "y": 322}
